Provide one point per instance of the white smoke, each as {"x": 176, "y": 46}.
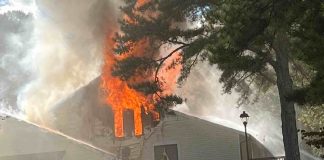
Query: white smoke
{"x": 57, "y": 50}
{"x": 25, "y": 6}
{"x": 15, "y": 42}
{"x": 205, "y": 99}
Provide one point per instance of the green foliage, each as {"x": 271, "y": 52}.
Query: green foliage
{"x": 247, "y": 40}
{"x": 314, "y": 138}
{"x": 307, "y": 42}
{"x": 147, "y": 87}
{"x": 236, "y": 35}
{"x": 166, "y": 102}
{"x": 167, "y": 23}
{"x": 312, "y": 117}
{"x": 133, "y": 66}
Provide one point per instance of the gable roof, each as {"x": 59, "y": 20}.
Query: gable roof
{"x": 57, "y": 155}
{"x": 24, "y": 140}
{"x": 207, "y": 122}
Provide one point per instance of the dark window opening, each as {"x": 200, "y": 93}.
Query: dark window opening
{"x": 166, "y": 152}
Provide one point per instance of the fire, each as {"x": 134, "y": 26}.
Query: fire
{"x": 119, "y": 95}
{"x": 170, "y": 75}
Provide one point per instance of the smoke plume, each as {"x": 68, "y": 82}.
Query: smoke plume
{"x": 56, "y": 49}
{"x": 205, "y": 99}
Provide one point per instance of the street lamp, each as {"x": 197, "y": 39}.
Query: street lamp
{"x": 245, "y": 117}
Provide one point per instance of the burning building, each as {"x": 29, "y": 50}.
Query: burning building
{"x": 179, "y": 136}
{"x": 85, "y": 125}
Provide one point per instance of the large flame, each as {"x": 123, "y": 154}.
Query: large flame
{"x": 120, "y": 96}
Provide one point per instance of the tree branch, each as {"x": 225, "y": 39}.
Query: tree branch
{"x": 163, "y": 59}
{"x": 267, "y": 55}
{"x": 299, "y": 68}
{"x": 194, "y": 61}
{"x": 177, "y": 42}
{"x": 269, "y": 79}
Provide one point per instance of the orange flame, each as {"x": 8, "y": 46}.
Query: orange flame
{"x": 120, "y": 96}
{"x": 170, "y": 75}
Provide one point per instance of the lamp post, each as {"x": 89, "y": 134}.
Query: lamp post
{"x": 245, "y": 117}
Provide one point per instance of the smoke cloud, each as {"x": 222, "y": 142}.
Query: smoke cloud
{"x": 205, "y": 99}
{"x": 56, "y": 49}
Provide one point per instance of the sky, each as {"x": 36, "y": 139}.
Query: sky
{"x": 3, "y": 2}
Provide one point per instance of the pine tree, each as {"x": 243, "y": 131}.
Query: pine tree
{"x": 249, "y": 41}
{"x": 314, "y": 138}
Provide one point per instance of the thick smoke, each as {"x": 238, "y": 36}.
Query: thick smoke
{"x": 56, "y": 49}
{"x": 15, "y": 31}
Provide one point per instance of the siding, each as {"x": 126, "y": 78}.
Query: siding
{"x": 196, "y": 139}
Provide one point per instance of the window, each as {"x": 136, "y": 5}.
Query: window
{"x": 166, "y": 152}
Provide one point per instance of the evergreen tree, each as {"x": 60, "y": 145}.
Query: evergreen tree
{"x": 252, "y": 42}
{"x": 313, "y": 131}
{"x": 314, "y": 138}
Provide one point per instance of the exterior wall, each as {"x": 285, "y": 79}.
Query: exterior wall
{"x": 82, "y": 115}
{"x": 196, "y": 139}
{"x": 256, "y": 149}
